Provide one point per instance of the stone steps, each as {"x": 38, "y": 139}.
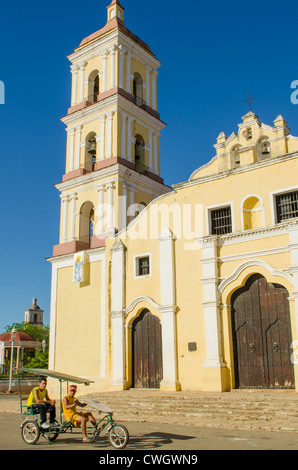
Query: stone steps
{"x": 270, "y": 410}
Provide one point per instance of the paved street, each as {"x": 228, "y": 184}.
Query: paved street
{"x": 168, "y": 422}
{"x": 153, "y": 436}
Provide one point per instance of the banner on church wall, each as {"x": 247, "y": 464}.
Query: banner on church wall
{"x": 78, "y": 267}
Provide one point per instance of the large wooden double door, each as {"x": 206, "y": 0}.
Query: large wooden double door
{"x": 146, "y": 351}
{"x": 262, "y": 335}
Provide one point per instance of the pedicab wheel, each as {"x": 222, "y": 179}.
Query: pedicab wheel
{"x": 118, "y": 436}
{"x": 52, "y": 435}
{"x": 30, "y": 432}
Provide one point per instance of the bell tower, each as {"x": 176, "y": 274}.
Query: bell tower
{"x": 113, "y": 129}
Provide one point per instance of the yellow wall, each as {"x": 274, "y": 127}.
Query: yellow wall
{"x": 78, "y": 325}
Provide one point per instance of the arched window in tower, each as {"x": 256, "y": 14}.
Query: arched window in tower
{"x": 235, "y": 157}
{"x": 90, "y": 151}
{"x": 140, "y": 154}
{"x": 86, "y": 222}
{"x": 263, "y": 149}
{"x": 138, "y": 89}
{"x": 93, "y": 87}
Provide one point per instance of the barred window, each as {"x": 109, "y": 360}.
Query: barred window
{"x": 143, "y": 266}
{"x": 287, "y": 206}
{"x": 221, "y": 221}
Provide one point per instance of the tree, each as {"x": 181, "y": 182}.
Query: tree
{"x": 40, "y": 361}
{"x": 39, "y": 333}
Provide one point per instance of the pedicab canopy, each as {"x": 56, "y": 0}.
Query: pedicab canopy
{"x": 58, "y": 375}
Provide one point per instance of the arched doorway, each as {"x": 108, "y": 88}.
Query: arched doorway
{"x": 146, "y": 351}
{"x": 262, "y": 335}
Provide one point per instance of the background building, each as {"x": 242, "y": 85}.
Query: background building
{"x": 34, "y": 314}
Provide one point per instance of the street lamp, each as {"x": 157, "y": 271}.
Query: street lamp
{"x": 43, "y": 344}
{"x": 13, "y": 335}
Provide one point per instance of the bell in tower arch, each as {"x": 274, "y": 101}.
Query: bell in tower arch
{"x": 92, "y": 149}
{"x": 265, "y": 148}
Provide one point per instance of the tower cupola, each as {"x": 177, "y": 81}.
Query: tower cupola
{"x": 115, "y": 10}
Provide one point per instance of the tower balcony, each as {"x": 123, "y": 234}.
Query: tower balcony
{"x": 94, "y": 165}
{"x": 96, "y": 98}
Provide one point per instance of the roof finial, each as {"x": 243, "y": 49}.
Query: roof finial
{"x": 249, "y": 99}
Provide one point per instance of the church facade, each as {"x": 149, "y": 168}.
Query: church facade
{"x": 193, "y": 287}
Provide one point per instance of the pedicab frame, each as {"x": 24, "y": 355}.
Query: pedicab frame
{"x": 31, "y": 431}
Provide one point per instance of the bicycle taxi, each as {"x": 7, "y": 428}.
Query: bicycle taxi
{"x": 31, "y": 431}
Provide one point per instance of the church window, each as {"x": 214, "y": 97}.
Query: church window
{"x": 86, "y": 222}
{"x": 140, "y": 154}
{"x": 287, "y": 206}
{"x": 221, "y": 221}
{"x": 93, "y": 86}
{"x": 90, "y": 151}
{"x": 142, "y": 265}
{"x": 138, "y": 89}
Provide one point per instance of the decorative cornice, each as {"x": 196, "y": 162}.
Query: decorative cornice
{"x": 224, "y": 174}
{"x": 118, "y": 98}
{"x": 252, "y": 234}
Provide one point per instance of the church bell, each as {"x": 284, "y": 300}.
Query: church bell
{"x": 265, "y": 148}
{"x": 92, "y": 149}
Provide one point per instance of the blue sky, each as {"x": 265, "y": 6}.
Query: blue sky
{"x": 212, "y": 53}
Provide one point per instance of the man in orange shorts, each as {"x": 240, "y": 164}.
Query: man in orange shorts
{"x": 70, "y": 412}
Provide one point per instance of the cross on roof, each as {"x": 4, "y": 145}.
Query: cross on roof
{"x": 249, "y": 99}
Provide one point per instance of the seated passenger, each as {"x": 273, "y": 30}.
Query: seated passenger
{"x": 40, "y": 402}
{"x": 70, "y": 412}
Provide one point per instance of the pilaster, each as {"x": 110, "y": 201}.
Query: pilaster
{"x": 293, "y": 246}
{"x": 210, "y": 303}
{"x": 117, "y": 316}
{"x": 168, "y": 311}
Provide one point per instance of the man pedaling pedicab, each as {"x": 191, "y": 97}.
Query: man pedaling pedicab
{"x": 40, "y": 402}
{"x": 79, "y": 419}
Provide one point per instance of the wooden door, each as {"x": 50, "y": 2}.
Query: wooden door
{"x": 147, "y": 351}
{"x": 262, "y": 335}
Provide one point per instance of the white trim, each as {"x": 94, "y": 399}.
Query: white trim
{"x": 252, "y": 254}
{"x": 255, "y": 262}
{"x": 253, "y": 234}
{"x": 115, "y": 37}
{"x": 137, "y": 300}
{"x": 224, "y": 174}
{"x": 117, "y": 101}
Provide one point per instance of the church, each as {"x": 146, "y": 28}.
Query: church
{"x": 190, "y": 287}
